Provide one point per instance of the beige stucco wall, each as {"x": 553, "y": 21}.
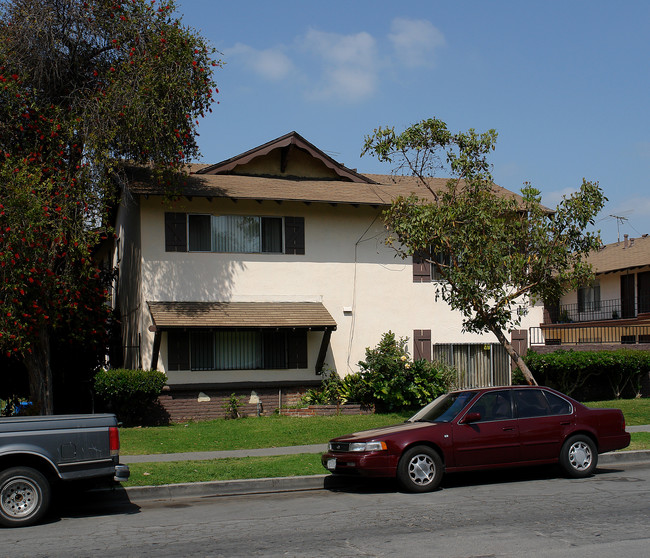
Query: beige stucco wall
{"x": 363, "y": 283}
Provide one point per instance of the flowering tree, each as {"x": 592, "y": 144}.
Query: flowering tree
{"x": 85, "y": 87}
{"x": 492, "y": 250}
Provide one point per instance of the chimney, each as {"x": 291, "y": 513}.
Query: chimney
{"x": 631, "y": 242}
{"x": 625, "y": 241}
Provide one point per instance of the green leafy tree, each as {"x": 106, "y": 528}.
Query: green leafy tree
{"x": 85, "y": 87}
{"x": 493, "y": 249}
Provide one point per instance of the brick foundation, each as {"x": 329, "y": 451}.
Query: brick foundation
{"x": 327, "y": 410}
{"x": 184, "y": 405}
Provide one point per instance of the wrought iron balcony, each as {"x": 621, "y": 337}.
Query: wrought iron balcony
{"x": 589, "y": 335}
{"x": 600, "y": 310}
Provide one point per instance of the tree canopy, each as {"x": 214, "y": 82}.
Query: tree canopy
{"x": 494, "y": 251}
{"x": 86, "y": 87}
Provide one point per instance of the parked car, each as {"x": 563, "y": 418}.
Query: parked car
{"x": 37, "y": 452}
{"x": 477, "y": 429}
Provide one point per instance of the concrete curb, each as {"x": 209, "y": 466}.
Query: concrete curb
{"x": 295, "y": 484}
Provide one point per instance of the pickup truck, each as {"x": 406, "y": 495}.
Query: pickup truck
{"x": 37, "y": 452}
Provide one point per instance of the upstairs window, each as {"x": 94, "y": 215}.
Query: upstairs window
{"x": 238, "y": 234}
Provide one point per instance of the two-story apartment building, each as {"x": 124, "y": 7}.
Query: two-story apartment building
{"x": 613, "y": 311}
{"x": 265, "y": 270}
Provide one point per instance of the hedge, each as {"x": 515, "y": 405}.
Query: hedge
{"x": 131, "y": 394}
{"x": 591, "y": 373}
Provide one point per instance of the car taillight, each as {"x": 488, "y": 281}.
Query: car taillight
{"x": 114, "y": 440}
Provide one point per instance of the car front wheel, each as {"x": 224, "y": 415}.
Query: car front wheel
{"x": 579, "y": 456}
{"x": 420, "y": 469}
{"x": 24, "y": 496}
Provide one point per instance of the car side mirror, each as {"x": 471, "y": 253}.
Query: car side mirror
{"x": 471, "y": 417}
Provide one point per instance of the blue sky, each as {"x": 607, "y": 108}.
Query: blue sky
{"x": 565, "y": 84}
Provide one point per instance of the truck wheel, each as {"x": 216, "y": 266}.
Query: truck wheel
{"x": 420, "y": 469}
{"x": 24, "y": 496}
{"x": 579, "y": 456}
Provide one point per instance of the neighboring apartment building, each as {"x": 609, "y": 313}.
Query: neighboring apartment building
{"x": 613, "y": 311}
{"x": 270, "y": 268}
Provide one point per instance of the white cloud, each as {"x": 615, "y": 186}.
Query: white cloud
{"x": 271, "y": 64}
{"x": 416, "y": 41}
{"x": 338, "y": 67}
{"x": 552, "y": 199}
{"x": 348, "y": 64}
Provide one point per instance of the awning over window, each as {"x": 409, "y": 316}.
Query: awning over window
{"x": 311, "y": 315}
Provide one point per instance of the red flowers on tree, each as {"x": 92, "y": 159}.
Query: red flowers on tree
{"x": 72, "y": 113}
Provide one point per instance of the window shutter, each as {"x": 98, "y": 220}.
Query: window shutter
{"x": 294, "y": 235}
{"x": 421, "y": 268}
{"x": 297, "y": 349}
{"x": 175, "y": 232}
{"x": 178, "y": 350}
{"x": 422, "y": 344}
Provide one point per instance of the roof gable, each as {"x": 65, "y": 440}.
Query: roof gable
{"x": 289, "y": 156}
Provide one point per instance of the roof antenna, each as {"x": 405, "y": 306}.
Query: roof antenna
{"x": 619, "y": 222}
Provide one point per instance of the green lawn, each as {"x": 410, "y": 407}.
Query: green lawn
{"x": 248, "y": 433}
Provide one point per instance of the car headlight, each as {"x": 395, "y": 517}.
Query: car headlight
{"x": 368, "y": 446}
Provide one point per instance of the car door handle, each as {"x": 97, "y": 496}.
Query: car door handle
{"x": 567, "y": 423}
{"x": 508, "y": 428}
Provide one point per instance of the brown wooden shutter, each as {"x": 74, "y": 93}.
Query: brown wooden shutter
{"x": 178, "y": 350}
{"x": 421, "y": 268}
{"x": 294, "y": 235}
{"x": 422, "y": 344}
{"x": 175, "y": 232}
{"x": 297, "y": 349}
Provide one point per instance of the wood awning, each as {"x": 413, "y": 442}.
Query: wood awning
{"x": 241, "y": 315}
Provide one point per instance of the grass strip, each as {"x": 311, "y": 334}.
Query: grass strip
{"x": 248, "y": 433}
{"x": 640, "y": 441}
{"x": 173, "y": 472}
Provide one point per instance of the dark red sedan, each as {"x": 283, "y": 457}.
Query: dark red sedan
{"x": 482, "y": 429}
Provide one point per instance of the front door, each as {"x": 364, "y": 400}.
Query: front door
{"x": 493, "y": 439}
{"x": 643, "y": 291}
{"x": 627, "y": 296}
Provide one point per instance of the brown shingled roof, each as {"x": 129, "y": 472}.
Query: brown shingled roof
{"x": 382, "y": 193}
{"x": 241, "y": 315}
{"x": 345, "y": 186}
{"x": 619, "y": 256}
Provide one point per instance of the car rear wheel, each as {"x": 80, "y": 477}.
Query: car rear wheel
{"x": 24, "y": 496}
{"x": 420, "y": 469}
{"x": 579, "y": 456}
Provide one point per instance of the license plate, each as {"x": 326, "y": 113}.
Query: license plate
{"x": 331, "y": 464}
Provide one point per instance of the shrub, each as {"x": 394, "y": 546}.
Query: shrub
{"x": 591, "y": 374}
{"x": 231, "y": 406}
{"x": 131, "y": 394}
{"x": 390, "y": 380}
{"x": 331, "y": 391}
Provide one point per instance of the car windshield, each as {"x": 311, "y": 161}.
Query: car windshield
{"x": 444, "y": 408}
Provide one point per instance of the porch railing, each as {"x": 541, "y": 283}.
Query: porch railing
{"x": 599, "y": 310}
{"x": 587, "y": 335}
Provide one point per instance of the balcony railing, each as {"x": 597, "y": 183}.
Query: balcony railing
{"x": 614, "y": 309}
{"x": 588, "y": 335}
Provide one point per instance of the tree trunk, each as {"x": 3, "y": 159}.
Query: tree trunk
{"x": 39, "y": 371}
{"x": 514, "y": 355}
